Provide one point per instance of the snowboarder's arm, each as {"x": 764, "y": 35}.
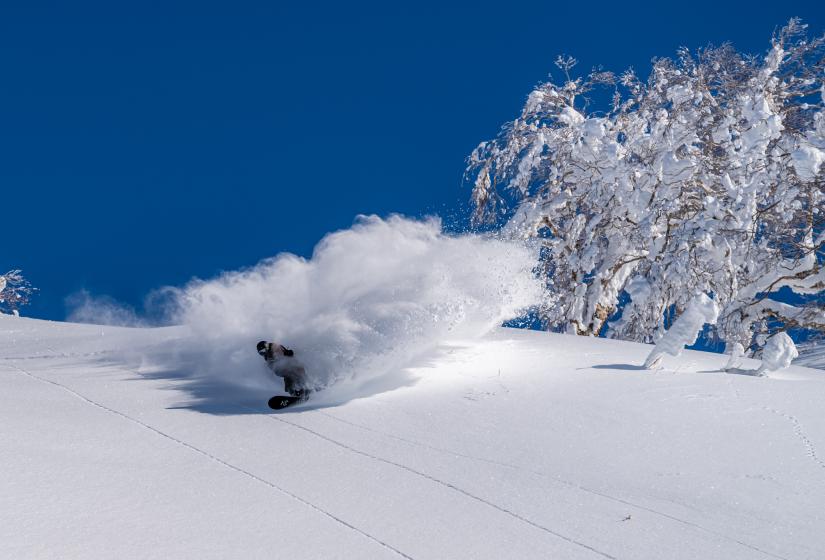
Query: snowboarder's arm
{"x": 270, "y": 350}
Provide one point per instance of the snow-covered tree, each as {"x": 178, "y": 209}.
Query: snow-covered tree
{"x": 708, "y": 178}
{"x": 685, "y": 330}
{"x": 15, "y": 292}
{"x": 778, "y": 353}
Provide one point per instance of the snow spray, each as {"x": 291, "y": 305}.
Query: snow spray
{"x": 370, "y": 300}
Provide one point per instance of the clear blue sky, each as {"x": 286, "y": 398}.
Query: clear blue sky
{"x": 142, "y": 144}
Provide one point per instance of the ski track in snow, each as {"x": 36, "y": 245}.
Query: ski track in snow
{"x": 380, "y": 459}
{"x": 445, "y": 484}
{"x": 555, "y": 479}
{"x": 213, "y": 458}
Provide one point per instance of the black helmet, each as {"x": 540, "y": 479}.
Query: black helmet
{"x": 262, "y": 347}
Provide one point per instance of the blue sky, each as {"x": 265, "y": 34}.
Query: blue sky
{"x": 143, "y": 144}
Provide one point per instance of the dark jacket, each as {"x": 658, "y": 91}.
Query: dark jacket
{"x": 279, "y": 359}
{"x": 274, "y": 351}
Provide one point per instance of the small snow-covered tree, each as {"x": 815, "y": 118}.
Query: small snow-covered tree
{"x": 707, "y": 178}
{"x": 15, "y": 292}
{"x": 778, "y": 353}
{"x": 685, "y": 330}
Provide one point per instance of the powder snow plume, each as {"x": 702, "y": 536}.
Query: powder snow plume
{"x": 370, "y": 300}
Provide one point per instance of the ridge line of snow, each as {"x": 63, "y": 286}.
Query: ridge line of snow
{"x": 213, "y": 458}
{"x": 446, "y": 484}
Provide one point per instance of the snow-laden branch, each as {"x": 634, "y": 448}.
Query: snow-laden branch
{"x": 707, "y": 178}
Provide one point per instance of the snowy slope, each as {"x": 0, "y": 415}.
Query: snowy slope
{"x": 518, "y": 445}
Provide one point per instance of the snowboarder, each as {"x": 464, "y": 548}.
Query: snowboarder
{"x": 282, "y": 363}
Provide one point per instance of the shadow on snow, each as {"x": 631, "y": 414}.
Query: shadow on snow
{"x": 246, "y": 392}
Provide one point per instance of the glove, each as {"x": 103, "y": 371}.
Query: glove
{"x": 288, "y": 352}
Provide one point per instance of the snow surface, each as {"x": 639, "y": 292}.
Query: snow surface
{"x": 518, "y": 444}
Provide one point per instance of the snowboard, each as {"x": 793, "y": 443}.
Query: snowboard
{"x": 282, "y": 401}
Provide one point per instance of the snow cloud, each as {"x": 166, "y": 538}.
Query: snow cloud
{"x": 370, "y": 300}
{"x": 101, "y": 310}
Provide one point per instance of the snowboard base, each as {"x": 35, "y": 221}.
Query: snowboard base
{"x": 282, "y": 401}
